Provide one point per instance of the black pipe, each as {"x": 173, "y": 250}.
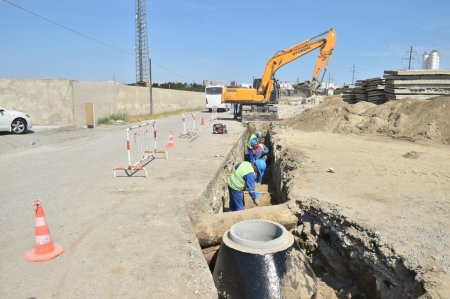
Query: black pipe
{"x": 257, "y": 260}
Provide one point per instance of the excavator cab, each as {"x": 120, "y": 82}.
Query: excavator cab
{"x": 256, "y": 83}
{"x": 274, "y": 94}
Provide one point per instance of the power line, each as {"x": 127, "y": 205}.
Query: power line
{"x": 67, "y": 28}
{"x": 167, "y": 70}
{"x": 87, "y": 36}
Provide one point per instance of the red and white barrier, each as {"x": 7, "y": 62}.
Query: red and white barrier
{"x": 155, "y": 149}
{"x": 139, "y": 151}
{"x": 189, "y": 126}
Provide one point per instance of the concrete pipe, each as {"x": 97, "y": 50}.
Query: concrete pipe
{"x": 210, "y": 229}
{"x": 257, "y": 260}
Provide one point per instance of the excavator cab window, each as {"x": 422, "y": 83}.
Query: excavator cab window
{"x": 256, "y": 83}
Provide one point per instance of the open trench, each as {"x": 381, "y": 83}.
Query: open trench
{"x": 349, "y": 260}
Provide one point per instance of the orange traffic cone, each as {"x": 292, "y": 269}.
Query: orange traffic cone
{"x": 44, "y": 249}
{"x": 171, "y": 143}
{"x": 202, "y": 122}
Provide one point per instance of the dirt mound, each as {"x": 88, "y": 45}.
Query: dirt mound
{"x": 408, "y": 118}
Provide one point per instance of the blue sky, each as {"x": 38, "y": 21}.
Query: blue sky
{"x": 193, "y": 40}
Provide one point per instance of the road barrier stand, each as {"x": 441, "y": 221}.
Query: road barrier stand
{"x": 139, "y": 150}
{"x": 214, "y": 113}
{"x": 155, "y": 151}
{"x": 189, "y": 129}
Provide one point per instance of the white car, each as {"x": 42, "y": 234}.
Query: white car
{"x": 14, "y": 121}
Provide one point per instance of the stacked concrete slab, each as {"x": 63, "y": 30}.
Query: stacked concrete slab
{"x": 360, "y": 91}
{"x": 419, "y": 84}
{"x": 370, "y": 90}
{"x": 375, "y": 89}
{"x": 349, "y": 96}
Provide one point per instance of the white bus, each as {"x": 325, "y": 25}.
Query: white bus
{"x": 213, "y": 98}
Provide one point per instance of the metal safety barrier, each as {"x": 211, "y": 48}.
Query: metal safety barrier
{"x": 189, "y": 130}
{"x": 155, "y": 149}
{"x": 139, "y": 150}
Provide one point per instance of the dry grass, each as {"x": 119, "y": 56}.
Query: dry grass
{"x": 143, "y": 117}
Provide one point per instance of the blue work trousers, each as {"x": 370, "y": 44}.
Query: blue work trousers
{"x": 260, "y": 177}
{"x": 236, "y": 199}
{"x": 251, "y": 157}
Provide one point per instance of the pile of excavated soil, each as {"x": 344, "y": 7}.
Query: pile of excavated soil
{"x": 411, "y": 119}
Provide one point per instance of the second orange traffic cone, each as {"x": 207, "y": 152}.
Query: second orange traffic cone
{"x": 202, "y": 122}
{"x": 171, "y": 143}
{"x": 44, "y": 249}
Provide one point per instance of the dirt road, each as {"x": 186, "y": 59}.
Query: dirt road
{"x": 123, "y": 237}
{"x": 397, "y": 189}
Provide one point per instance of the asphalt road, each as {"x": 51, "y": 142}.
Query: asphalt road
{"x": 124, "y": 237}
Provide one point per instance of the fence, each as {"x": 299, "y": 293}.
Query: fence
{"x": 189, "y": 126}
{"x": 139, "y": 151}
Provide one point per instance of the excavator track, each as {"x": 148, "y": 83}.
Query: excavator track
{"x": 259, "y": 117}
{"x": 259, "y": 113}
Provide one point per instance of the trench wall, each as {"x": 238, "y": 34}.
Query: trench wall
{"x": 216, "y": 192}
{"x": 348, "y": 252}
{"x": 347, "y": 256}
{"x": 62, "y": 102}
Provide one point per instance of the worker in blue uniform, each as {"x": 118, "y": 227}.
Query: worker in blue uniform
{"x": 261, "y": 166}
{"x": 243, "y": 178}
{"x": 252, "y": 140}
{"x": 260, "y": 151}
{"x": 235, "y": 110}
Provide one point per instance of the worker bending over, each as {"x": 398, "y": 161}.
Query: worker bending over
{"x": 260, "y": 151}
{"x": 261, "y": 166}
{"x": 243, "y": 178}
{"x": 253, "y": 140}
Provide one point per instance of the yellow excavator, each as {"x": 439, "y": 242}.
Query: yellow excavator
{"x": 265, "y": 91}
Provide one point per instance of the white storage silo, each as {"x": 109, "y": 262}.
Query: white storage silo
{"x": 433, "y": 60}
{"x": 425, "y": 59}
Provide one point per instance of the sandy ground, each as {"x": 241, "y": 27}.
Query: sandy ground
{"x": 123, "y": 237}
{"x": 399, "y": 189}
{"x": 131, "y": 237}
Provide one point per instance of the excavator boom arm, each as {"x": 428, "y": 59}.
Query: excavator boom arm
{"x": 326, "y": 45}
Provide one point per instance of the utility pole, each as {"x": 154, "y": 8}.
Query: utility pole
{"x": 150, "y": 86}
{"x": 353, "y": 74}
{"x": 410, "y": 56}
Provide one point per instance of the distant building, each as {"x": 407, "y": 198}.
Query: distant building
{"x": 205, "y": 82}
{"x": 430, "y": 61}
{"x": 217, "y": 82}
{"x": 286, "y": 88}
